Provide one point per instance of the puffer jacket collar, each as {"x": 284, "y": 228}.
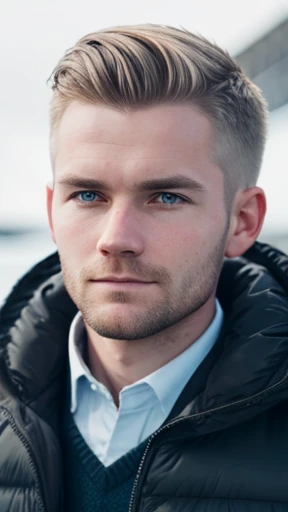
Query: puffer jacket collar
{"x": 251, "y": 370}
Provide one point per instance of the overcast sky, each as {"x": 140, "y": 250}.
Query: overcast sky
{"x": 34, "y": 35}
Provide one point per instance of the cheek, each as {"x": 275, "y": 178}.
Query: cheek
{"x": 178, "y": 247}
{"x": 194, "y": 237}
{"x": 72, "y": 236}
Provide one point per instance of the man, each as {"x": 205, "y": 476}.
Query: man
{"x": 139, "y": 390}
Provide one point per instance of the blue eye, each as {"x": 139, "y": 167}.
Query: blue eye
{"x": 87, "y": 197}
{"x": 168, "y": 198}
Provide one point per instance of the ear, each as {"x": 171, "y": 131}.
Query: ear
{"x": 247, "y": 216}
{"x": 49, "y": 201}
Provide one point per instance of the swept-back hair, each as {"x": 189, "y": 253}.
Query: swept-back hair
{"x": 132, "y": 67}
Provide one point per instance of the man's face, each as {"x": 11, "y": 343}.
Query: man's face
{"x": 138, "y": 216}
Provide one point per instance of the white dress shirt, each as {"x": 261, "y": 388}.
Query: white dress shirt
{"x": 143, "y": 406}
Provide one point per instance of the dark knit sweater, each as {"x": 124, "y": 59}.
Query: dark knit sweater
{"x": 89, "y": 485}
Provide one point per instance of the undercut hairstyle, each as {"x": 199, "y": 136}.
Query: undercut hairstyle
{"x": 133, "y": 67}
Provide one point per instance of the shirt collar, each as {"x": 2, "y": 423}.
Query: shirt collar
{"x": 167, "y": 382}
{"x": 77, "y": 340}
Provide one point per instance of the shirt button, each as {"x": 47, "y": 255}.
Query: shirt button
{"x": 93, "y": 386}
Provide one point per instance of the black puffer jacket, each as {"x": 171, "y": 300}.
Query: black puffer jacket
{"x": 225, "y": 447}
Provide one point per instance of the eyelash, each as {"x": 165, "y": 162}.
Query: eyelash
{"x": 91, "y": 203}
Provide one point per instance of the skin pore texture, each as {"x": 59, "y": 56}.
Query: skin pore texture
{"x": 138, "y": 214}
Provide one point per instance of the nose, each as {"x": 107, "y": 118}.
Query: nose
{"x": 120, "y": 233}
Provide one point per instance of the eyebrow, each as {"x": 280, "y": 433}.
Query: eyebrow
{"x": 87, "y": 183}
{"x": 174, "y": 182}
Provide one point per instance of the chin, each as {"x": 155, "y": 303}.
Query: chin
{"x": 117, "y": 332}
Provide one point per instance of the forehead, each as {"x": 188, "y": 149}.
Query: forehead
{"x": 146, "y": 143}
{"x": 166, "y": 126}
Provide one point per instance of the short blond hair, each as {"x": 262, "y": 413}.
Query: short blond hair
{"x": 132, "y": 67}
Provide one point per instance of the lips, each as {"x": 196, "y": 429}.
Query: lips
{"x": 121, "y": 283}
{"x": 115, "y": 279}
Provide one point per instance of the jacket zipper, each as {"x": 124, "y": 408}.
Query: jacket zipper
{"x": 245, "y": 401}
{"x": 33, "y": 464}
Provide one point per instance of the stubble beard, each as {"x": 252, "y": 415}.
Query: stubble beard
{"x": 197, "y": 286}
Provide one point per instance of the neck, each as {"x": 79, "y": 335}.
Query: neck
{"x": 118, "y": 363}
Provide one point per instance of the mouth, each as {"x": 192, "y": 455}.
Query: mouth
{"x": 121, "y": 282}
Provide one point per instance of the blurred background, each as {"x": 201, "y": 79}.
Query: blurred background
{"x": 34, "y": 36}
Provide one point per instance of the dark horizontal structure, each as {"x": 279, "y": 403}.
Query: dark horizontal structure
{"x": 266, "y": 63}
